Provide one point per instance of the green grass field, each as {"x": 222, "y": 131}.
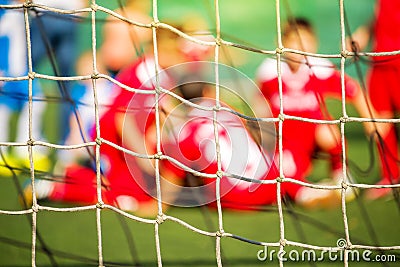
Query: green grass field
{"x": 71, "y": 237}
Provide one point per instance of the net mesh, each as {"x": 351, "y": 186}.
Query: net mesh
{"x": 217, "y": 44}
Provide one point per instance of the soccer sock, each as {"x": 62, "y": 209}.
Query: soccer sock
{"x": 79, "y": 186}
{"x": 5, "y": 114}
{"x": 387, "y": 147}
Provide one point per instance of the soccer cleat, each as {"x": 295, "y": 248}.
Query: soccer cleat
{"x": 26, "y": 199}
{"x": 351, "y": 192}
{"x": 9, "y": 165}
{"x": 43, "y": 189}
{"x": 312, "y": 198}
{"x": 12, "y": 163}
{"x": 40, "y": 162}
{"x": 322, "y": 198}
{"x": 380, "y": 193}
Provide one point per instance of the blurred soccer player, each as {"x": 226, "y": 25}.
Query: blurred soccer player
{"x": 241, "y": 156}
{"x": 124, "y": 176}
{"x": 14, "y": 94}
{"x": 306, "y": 82}
{"x": 54, "y": 39}
{"x": 123, "y": 43}
{"x": 82, "y": 119}
{"x": 193, "y": 144}
{"x": 383, "y": 82}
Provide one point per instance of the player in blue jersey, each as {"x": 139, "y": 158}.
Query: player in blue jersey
{"x": 14, "y": 94}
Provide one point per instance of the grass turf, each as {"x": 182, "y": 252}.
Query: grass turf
{"x": 75, "y": 243}
{"x": 72, "y": 239}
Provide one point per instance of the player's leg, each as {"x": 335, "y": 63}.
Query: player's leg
{"x": 78, "y": 186}
{"x": 327, "y": 139}
{"x": 127, "y": 185}
{"x": 7, "y": 162}
{"x": 381, "y": 82}
{"x": 5, "y": 114}
{"x": 66, "y": 54}
{"x": 14, "y": 98}
{"x": 41, "y": 159}
{"x": 37, "y": 43}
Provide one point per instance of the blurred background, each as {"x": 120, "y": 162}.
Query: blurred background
{"x": 70, "y": 239}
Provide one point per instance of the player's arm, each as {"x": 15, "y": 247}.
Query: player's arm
{"x": 136, "y": 141}
{"x": 362, "y": 103}
{"x": 355, "y": 96}
{"x": 359, "y": 39}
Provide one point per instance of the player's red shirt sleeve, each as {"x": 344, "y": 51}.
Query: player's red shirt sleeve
{"x": 331, "y": 87}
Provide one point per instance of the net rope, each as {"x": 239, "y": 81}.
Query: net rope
{"x": 218, "y": 42}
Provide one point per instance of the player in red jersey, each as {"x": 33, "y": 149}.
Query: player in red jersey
{"x": 241, "y": 156}
{"x": 124, "y": 177}
{"x": 306, "y": 82}
{"x": 120, "y": 186}
{"x": 194, "y": 146}
{"x": 123, "y": 43}
{"x": 383, "y": 83}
